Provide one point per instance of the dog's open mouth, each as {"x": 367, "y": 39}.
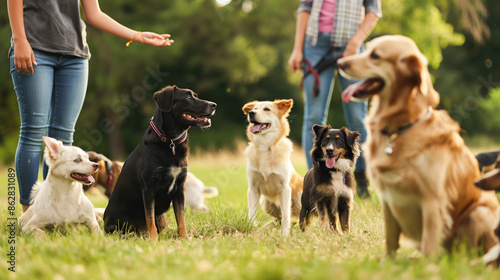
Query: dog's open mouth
{"x": 85, "y": 178}
{"x": 201, "y": 121}
{"x": 363, "y": 89}
{"x": 256, "y": 128}
{"x": 331, "y": 160}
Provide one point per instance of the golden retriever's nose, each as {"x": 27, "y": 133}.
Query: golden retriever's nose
{"x": 342, "y": 64}
{"x": 95, "y": 166}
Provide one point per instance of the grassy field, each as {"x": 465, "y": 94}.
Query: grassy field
{"x": 225, "y": 246}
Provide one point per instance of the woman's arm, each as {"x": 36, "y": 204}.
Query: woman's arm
{"x": 95, "y": 17}
{"x": 300, "y": 33}
{"x": 361, "y": 34}
{"x": 24, "y": 58}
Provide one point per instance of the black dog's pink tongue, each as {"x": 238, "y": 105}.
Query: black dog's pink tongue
{"x": 330, "y": 162}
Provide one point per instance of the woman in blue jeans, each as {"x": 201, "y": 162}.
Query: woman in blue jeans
{"x": 342, "y": 26}
{"x": 49, "y": 66}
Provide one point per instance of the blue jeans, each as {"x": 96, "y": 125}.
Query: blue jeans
{"x": 50, "y": 101}
{"x": 316, "y": 108}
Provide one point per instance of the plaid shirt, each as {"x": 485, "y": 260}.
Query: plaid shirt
{"x": 348, "y": 18}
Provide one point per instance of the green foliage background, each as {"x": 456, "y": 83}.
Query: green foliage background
{"x": 232, "y": 55}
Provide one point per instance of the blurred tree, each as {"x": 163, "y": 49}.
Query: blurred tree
{"x": 469, "y": 72}
{"x": 229, "y": 54}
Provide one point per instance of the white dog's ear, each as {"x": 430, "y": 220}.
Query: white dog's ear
{"x": 284, "y": 106}
{"x": 248, "y": 107}
{"x": 53, "y": 148}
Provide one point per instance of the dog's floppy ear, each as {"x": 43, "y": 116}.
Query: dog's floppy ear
{"x": 165, "y": 98}
{"x": 319, "y": 130}
{"x": 248, "y": 107}
{"x": 352, "y": 140}
{"x": 415, "y": 65}
{"x": 53, "y": 148}
{"x": 284, "y": 106}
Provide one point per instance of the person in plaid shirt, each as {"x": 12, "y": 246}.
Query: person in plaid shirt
{"x": 337, "y": 28}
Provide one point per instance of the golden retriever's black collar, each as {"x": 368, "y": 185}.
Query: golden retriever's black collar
{"x": 165, "y": 139}
{"x": 393, "y": 135}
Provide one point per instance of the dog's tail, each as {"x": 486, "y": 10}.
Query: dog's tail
{"x": 34, "y": 191}
{"x": 209, "y": 192}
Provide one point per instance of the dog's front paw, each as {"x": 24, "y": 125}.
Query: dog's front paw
{"x": 39, "y": 233}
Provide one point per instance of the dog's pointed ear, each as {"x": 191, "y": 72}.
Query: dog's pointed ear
{"x": 248, "y": 107}
{"x": 284, "y": 106}
{"x": 415, "y": 65}
{"x": 53, "y": 148}
{"x": 165, "y": 98}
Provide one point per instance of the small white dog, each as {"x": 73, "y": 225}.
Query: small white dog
{"x": 195, "y": 191}
{"x": 59, "y": 199}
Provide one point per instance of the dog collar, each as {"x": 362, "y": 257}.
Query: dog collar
{"x": 165, "y": 139}
{"x": 392, "y": 136}
{"x": 110, "y": 173}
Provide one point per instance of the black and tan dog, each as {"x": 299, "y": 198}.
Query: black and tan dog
{"x": 488, "y": 161}
{"x": 491, "y": 181}
{"x": 153, "y": 175}
{"x": 329, "y": 186}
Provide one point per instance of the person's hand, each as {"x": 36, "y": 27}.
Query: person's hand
{"x": 295, "y": 61}
{"x": 154, "y": 39}
{"x": 352, "y": 47}
{"x": 24, "y": 57}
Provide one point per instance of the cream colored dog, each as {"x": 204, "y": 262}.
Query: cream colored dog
{"x": 415, "y": 156}
{"x": 270, "y": 172}
{"x": 59, "y": 199}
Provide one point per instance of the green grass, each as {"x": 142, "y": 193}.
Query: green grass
{"x": 225, "y": 246}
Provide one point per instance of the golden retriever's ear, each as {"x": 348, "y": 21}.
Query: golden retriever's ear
{"x": 284, "y": 106}
{"x": 165, "y": 98}
{"x": 248, "y": 107}
{"x": 415, "y": 65}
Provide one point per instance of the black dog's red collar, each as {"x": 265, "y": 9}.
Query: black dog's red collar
{"x": 165, "y": 139}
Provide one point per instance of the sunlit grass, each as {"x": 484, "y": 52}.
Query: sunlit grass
{"x": 225, "y": 245}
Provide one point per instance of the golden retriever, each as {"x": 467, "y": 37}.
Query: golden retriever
{"x": 270, "y": 172}
{"x": 416, "y": 158}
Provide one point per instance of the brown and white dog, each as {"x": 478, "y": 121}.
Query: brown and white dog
{"x": 416, "y": 158}
{"x": 270, "y": 172}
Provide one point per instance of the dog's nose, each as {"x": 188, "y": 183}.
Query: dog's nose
{"x": 212, "y": 105}
{"x": 342, "y": 64}
{"x": 329, "y": 151}
{"x": 95, "y": 166}
{"x": 251, "y": 114}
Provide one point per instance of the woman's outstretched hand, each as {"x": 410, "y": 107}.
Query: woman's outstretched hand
{"x": 154, "y": 39}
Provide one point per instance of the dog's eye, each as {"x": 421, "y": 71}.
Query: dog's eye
{"x": 78, "y": 160}
{"x": 374, "y": 55}
{"x": 267, "y": 109}
{"x": 339, "y": 141}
